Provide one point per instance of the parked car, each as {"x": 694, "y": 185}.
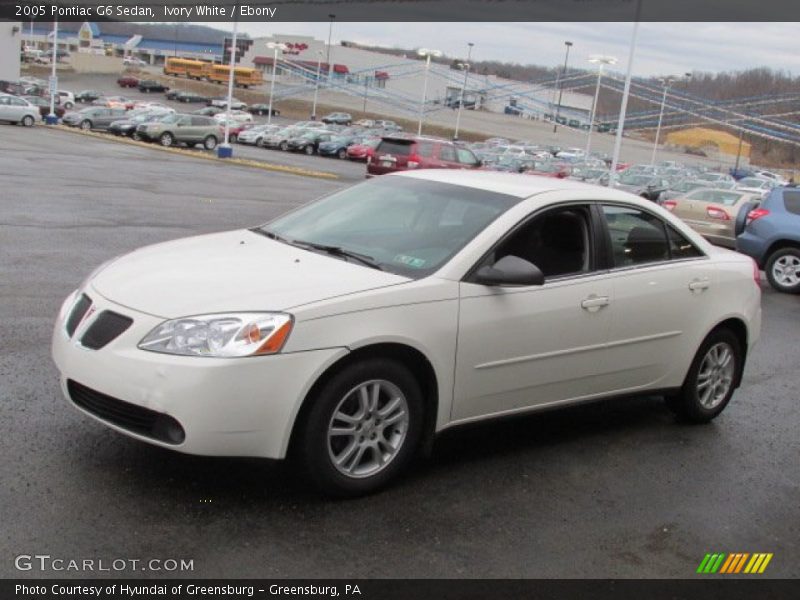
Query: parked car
{"x": 439, "y": 298}
{"x": 770, "y": 234}
{"x": 237, "y": 115}
{"x": 308, "y": 141}
{"x": 151, "y": 85}
{"x": 127, "y": 126}
{"x": 681, "y": 188}
{"x": 208, "y": 111}
{"x": 183, "y": 129}
{"x": 712, "y": 213}
{"x": 173, "y": 94}
{"x": 642, "y": 184}
{"x": 67, "y": 99}
{"x": 337, "y": 118}
{"x": 280, "y": 138}
{"x": 132, "y": 61}
{"x": 363, "y": 150}
{"x": 114, "y": 102}
{"x": 336, "y": 146}
{"x": 128, "y": 81}
{"x": 235, "y": 129}
{"x": 44, "y": 106}
{"x": 262, "y": 109}
{"x": 402, "y": 153}
{"x": 94, "y": 117}
{"x": 549, "y": 168}
{"x": 222, "y": 102}
{"x": 387, "y": 125}
{"x": 255, "y": 135}
{"x": 756, "y": 185}
{"x": 14, "y": 109}
{"x": 189, "y": 97}
{"x": 367, "y": 123}
{"x": 86, "y": 96}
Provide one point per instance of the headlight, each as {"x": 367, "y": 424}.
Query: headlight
{"x": 221, "y": 335}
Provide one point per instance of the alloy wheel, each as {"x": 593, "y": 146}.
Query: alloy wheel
{"x": 716, "y": 374}
{"x": 786, "y": 270}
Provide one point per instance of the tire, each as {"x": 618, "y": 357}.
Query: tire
{"x": 28, "y": 121}
{"x": 711, "y": 379}
{"x": 232, "y": 138}
{"x": 259, "y": 143}
{"x": 783, "y": 270}
{"x": 361, "y": 471}
{"x": 342, "y": 153}
{"x": 741, "y": 217}
{"x": 166, "y": 139}
{"x": 86, "y": 125}
{"x": 210, "y": 143}
{"x": 309, "y": 150}
{"x": 136, "y": 137}
{"x": 283, "y": 146}
{"x": 68, "y": 105}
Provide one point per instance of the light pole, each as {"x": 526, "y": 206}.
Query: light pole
{"x": 275, "y": 47}
{"x": 466, "y": 67}
{"x": 427, "y": 54}
{"x": 316, "y": 85}
{"x": 330, "y": 35}
{"x": 625, "y": 94}
{"x": 568, "y": 44}
{"x": 666, "y": 83}
{"x": 51, "y": 118}
{"x": 600, "y": 61}
{"x": 225, "y": 150}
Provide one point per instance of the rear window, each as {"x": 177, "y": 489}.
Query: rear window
{"x": 791, "y": 200}
{"x": 395, "y": 147}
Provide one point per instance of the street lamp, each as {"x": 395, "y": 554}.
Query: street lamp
{"x": 330, "y": 34}
{"x": 560, "y": 85}
{"x": 427, "y": 54}
{"x": 52, "y": 119}
{"x": 225, "y": 150}
{"x": 466, "y": 67}
{"x": 316, "y": 85}
{"x": 275, "y": 47}
{"x": 600, "y": 61}
{"x": 666, "y": 83}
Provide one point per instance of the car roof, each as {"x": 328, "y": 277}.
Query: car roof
{"x": 512, "y": 184}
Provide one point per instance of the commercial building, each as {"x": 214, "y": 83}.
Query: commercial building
{"x": 10, "y": 44}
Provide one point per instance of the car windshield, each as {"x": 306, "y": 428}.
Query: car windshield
{"x": 633, "y": 179}
{"x": 406, "y": 226}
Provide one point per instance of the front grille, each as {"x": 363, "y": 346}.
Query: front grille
{"x": 131, "y": 417}
{"x": 107, "y": 326}
{"x": 78, "y": 312}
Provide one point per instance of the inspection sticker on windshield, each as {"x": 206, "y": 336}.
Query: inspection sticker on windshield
{"x": 409, "y": 261}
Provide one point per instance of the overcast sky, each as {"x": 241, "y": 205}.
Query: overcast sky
{"x": 662, "y": 48}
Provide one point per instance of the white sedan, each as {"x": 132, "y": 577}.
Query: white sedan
{"x": 351, "y": 331}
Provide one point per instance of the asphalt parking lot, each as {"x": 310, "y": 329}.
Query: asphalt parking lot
{"x": 610, "y": 490}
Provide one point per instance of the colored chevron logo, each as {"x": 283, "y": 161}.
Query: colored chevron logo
{"x": 737, "y": 562}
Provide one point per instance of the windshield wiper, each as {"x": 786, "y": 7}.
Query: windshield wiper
{"x": 270, "y": 235}
{"x": 339, "y": 251}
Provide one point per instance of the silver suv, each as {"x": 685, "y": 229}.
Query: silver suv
{"x": 182, "y": 129}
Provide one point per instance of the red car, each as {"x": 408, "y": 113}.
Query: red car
{"x": 44, "y": 105}
{"x": 128, "y": 81}
{"x": 396, "y": 153}
{"x": 549, "y": 169}
{"x": 361, "y": 152}
{"x": 235, "y": 130}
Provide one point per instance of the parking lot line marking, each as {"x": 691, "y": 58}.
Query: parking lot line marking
{"x": 242, "y": 162}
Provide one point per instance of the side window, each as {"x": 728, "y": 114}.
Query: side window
{"x": 425, "y": 149}
{"x": 557, "y": 241}
{"x": 3, "y": 100}
{"x": 679, "y": 246}
{"x": 16, "y": 101}
{"x": 466, "y": 157}
{"x": 791, "y": 200}
{"x": 447, "y": 153}
{"x": 637, "y": 237}
{"x": 184, "y": 121}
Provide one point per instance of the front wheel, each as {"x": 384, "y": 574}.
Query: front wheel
{"x": 309, "y": 150}
{"x": 363, "y": 427}
{"x": 711, "y": 380}
{"x": 28, "y": 121}
{"x": 210, "y": 143}
{"x": 783, "y": 270}
{"x": 283, "y": 146}
{"x": 86, "y": 125}
{"x": 342, "y": 153}
{"x": 68, "y": 105}
{"x": 166, "y": 140}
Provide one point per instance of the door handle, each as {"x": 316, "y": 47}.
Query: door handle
{"x": 594, "y": 303}
{"x": 699, "y": 285}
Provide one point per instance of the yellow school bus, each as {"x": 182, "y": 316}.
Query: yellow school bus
{"x": 199, "y": 69}
{"x": 243, "y": 76}
{"x": 181, "y": 66}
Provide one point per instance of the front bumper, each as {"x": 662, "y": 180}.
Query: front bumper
{"x": 226, "y": 407}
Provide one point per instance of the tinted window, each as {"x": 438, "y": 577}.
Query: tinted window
{"x": 425, "y": 149}
{"x": 392, "y": 147}
{"x": 466, "y": 157}
{"x": 791, "y": 200}
{"x": 447, "y": 153}
{"x": 637, "y": 237}
{"x": 200, "y": 121}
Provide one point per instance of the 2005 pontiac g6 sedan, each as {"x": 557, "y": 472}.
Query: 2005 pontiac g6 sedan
{"x": 350, "y": 331}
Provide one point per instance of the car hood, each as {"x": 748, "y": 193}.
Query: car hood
{"x": 230, "y": 271}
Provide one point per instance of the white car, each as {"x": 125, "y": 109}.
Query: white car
{"x": 756, "y": 185}
{"x": 351, "y": 331}
{"x": 223, "y": 103}
{"x": 236, "y": 115}
{"x": 17, "y": 110}
{"x": 255, "y": 135}
{"x": 132, "y": 61}
{"x": 67, "y": 99}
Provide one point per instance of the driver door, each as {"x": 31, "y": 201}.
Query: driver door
{"x": 520, "y": 347}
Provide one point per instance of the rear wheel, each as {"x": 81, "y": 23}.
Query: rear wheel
{"x": 363, "y": 427}
{"x": 711, "y": 380}
{"x": 783, "y": 270}
{"x": 166, "y": 140}
{"x": 86, "y": 125}
{"x": 135, "y": 136}
{"x": 68, "y": 105}
{"x": 309, "y": 149}
{"x": 210, "y": 143}
{"x": 283, "y": 146}
{"x": 259, "y": 142}
{"x": 28, "y": 121}
{"x": 342, "y": 153}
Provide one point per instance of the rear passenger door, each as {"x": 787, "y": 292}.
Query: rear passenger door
{"x": 663, "y": 289}
{"x": 447, "y": 157}
{"x": 466, "y": 159}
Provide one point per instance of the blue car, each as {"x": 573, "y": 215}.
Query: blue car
{"x": 336, "y": 146}
{"x": 770, "y": 234}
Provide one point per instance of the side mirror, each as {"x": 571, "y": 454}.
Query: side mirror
{"x": 510, "y": 270}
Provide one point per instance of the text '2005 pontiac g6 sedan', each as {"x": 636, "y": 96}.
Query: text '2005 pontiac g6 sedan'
{"x": 349, "y": 332}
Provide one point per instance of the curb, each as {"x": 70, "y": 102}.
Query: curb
{"x": 240, "y": 162}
